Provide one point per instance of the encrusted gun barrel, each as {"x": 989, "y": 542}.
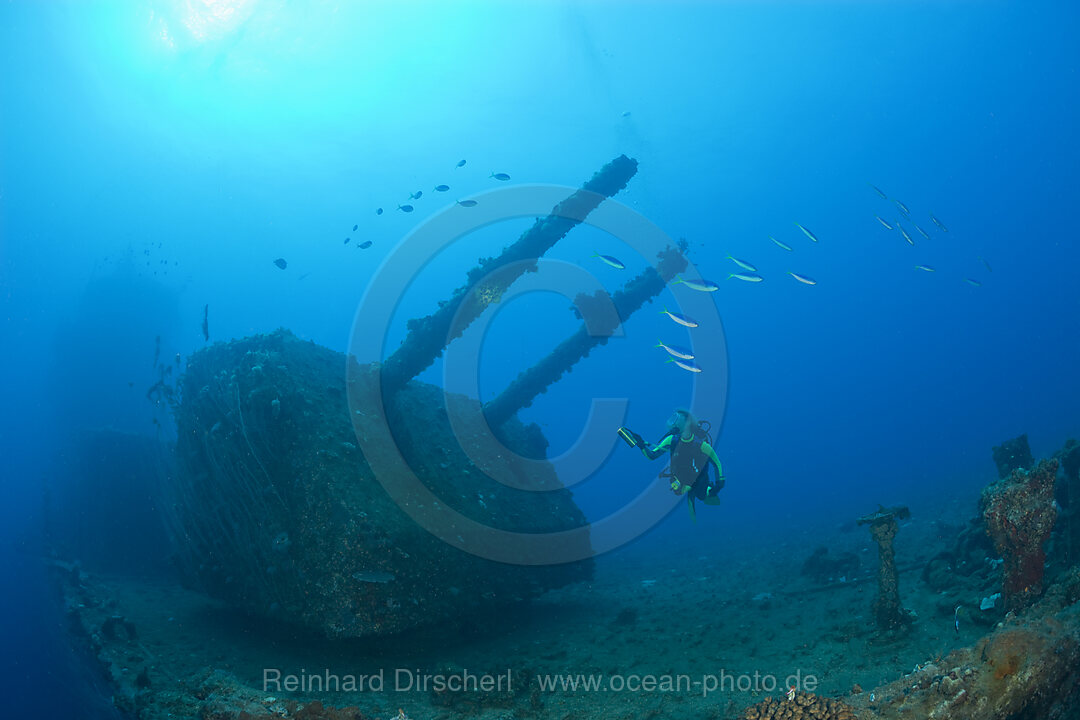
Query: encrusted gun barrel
{"x": 595, "y": 330}
{"x": 429, "y": 336}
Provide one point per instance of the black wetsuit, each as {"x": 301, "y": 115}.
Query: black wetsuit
{"x": 689, "y": 463}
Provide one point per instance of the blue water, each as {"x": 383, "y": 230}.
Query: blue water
{"x": 156, "y": 157}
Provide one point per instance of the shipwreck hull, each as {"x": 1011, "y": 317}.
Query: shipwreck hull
{"x": 276, "y": 510}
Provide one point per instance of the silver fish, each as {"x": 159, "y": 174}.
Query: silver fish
{"x": 806, "y": 232}
{"x": 743, "y": 264}
{"x": 746, "y": 278}
{"x": 780, "y": 244}
{"x": 703, "y": 286}
{"x": 681, "y": 319}
{"x": 878, "y": 191}
{"x": 685, "y": 365}
{"x": 938, "y": 223}
{"x": 613, "y": 262}
{"x": 905, "y": 234}
{"x": 675, "y": 350}
{"x": 882, "y": 221}
{"x": 804, "y": 279}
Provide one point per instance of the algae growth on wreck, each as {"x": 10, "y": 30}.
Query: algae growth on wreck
{"x": 275, "y": 509}
{"x": 577, "y": 360}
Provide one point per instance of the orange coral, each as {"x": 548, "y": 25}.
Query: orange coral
{"x": 1008, "y": 652}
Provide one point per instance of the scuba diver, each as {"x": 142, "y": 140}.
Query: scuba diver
{"x": 691, "y": 451}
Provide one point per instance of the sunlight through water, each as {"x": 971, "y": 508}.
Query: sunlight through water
{"x": 214, "y": 19}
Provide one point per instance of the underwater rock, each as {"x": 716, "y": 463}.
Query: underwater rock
{"x": 279, "y": 513}
{"x": 1019, "y": 513}
{"x": 1013, "y": 454}
{"x": 888, "y": 611}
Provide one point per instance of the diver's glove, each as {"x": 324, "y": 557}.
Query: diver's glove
{"x": 631, "y": 438}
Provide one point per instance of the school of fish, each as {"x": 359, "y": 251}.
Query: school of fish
{"x": 407, "y": 207}
{"x": 747, "y": 272}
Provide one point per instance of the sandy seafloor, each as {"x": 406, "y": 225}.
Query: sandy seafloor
{"x": 727, "y": 610}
